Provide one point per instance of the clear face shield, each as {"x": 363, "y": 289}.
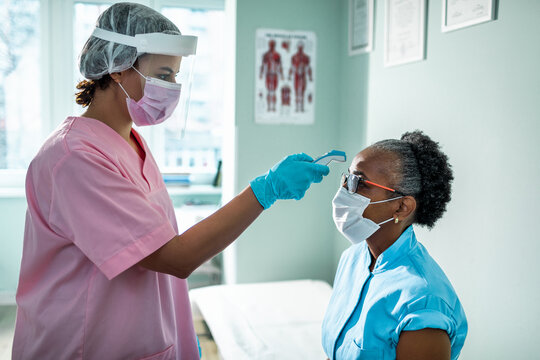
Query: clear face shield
{"x": 165, "y": 64}
{"x": 166, "y": 80}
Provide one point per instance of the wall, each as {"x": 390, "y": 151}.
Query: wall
{"x": 478, "y": 94}
{"x": 352, "y": 107}
{"x": 292, "y": 239}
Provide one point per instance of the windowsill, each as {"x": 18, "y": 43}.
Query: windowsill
{"x": 194, "y": 189}
{"x": 12, "y": 192}
{"x": 7, "y": 297}
{"x": 19, "y": 192}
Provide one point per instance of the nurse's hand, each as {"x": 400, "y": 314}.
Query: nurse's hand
{"x": 288, "y": 179}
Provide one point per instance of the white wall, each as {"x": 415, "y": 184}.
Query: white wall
{"x": 478, "y": 94}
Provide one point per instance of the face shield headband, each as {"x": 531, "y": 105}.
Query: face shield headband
{"x": 152, "y": 43}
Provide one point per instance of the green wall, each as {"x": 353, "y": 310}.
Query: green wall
{"x": 352, "y": 107}
{"x": 293, "y": 239}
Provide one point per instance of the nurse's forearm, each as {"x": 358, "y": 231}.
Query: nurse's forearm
{"x": 186, "y": 252}
{"x": 213, "y": 234}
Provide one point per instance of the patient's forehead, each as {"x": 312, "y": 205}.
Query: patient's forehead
{"x": 376, "y": 165}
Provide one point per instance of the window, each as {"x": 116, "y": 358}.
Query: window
{"x": 39, "y": 71}
{"x": 198, "y": 151}
{"x": 40, "y": 41}
{"x": 21, "y": 122}
{"x": 85, "y": 16}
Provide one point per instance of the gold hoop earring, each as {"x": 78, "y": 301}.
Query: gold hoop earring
{"x": 396, "y": 220}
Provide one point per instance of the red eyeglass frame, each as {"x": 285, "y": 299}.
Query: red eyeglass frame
{"x": 344, "y": 178}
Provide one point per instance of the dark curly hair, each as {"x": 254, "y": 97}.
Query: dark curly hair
{"x": 423, "y": 172}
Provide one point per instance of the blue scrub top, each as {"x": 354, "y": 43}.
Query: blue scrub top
{"x": 406, "y": 291}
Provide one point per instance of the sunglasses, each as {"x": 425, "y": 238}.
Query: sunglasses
{"x": 355, "y": 181}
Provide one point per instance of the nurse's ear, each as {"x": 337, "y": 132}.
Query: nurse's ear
{"x": 406, "y": 210}
{"x": 122, "y": 76}
{"x": 123, "y": 88}
{"x": 118, "y": 76}
{"x": 130, "y": 84}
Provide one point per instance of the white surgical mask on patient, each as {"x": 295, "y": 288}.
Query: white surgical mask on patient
{"x": 348, "y": 210}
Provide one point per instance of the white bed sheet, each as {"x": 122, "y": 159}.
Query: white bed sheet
{"x": 263, "y": 321}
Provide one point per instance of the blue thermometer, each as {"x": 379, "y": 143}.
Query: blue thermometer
{"x": 334, "y": 155}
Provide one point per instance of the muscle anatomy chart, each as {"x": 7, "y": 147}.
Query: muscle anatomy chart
{"x": 285, "y": 77}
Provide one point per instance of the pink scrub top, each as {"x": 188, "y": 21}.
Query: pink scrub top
{"x": 95, "y": 209}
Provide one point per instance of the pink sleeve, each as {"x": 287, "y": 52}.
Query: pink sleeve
{"x": 107, "y": 216}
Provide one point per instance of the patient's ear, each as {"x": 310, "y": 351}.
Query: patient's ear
{"x": 406, "y": 208}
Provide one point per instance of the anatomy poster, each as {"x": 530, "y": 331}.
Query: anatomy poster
{"x": 285, "y": 77}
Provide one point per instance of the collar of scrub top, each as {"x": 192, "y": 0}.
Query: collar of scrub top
{"x": 400, "y": 248}
{"x": 152, "y": 43}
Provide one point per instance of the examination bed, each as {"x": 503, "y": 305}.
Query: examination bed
{"x": 274, "y": 320}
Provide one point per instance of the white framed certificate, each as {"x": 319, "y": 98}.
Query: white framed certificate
{"x": 405, "y": 29}
{"x": 360, "y": 26}
{"x": 458, "y": 14}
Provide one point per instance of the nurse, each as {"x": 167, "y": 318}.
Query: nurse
{"x": 390, "y": 298}
{"x": 103, "y": 268}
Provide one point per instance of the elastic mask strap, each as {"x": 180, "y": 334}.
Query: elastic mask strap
{"x": 385, "y": 221}
{"x": 121, "y": 87}
{"x": 124, "y": 90}
{"x": 383, "y": 201}
{"x": 134, "y": 68}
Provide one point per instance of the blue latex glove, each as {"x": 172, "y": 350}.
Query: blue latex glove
{"x": 288, "y": 179}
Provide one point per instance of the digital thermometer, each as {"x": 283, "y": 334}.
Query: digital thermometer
{"x": 334, "y": 155}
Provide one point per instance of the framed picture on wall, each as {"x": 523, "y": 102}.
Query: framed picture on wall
{"x": 458, "y": 14}
{"x": 405, "y": 31}
{"x": 285, "y": 76}
{"x": 360, "y": 26}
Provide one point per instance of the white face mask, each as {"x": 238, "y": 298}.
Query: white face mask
{"x": 347, "y": 213}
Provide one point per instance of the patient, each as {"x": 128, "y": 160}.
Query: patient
{"x": 391, "y": 299}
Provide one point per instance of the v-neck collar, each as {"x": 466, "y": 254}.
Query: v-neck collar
{"x": 140, "y": 143}
{"x": 111, "y": 134}
{"x": 122, "y": 146}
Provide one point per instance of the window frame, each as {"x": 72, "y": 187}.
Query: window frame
{"x": 57, "y": 89}
{"x": 15, "y": 178}
{"x": 152, "y": 134}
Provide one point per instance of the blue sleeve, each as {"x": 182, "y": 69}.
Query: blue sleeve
{"x": 424, "y": 319}
{"x": 428, "y": 312}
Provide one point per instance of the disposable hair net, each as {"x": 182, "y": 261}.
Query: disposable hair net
{"x": 108, "y": 50}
